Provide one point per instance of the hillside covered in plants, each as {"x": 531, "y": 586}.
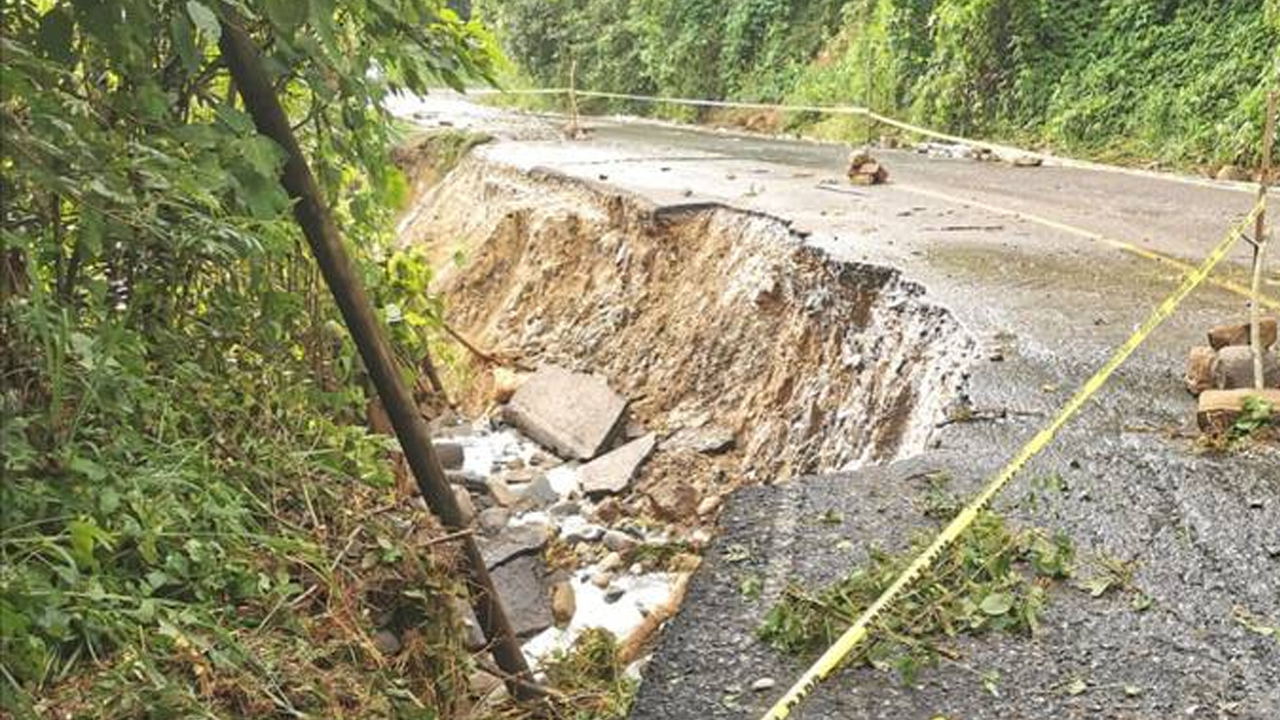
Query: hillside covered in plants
{"x": 1172, "y": 81}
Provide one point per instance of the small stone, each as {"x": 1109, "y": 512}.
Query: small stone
{"x": 608, "y": 510}
{"x": 674, "y": 500}
{"x": 610, "y": 562}
{"x": 387, "y": 642}
{"x": 449, "y": 454}
{"x": 576, "y": 529}
{"x": 708, "y": 440}
{"x": 564, "y": 508}
{"x": 502, "y": 493}
{"x": 613, "y": 595}
{"x": 538, "y": 493}
{"x": 709, "y": 505}
{"x": 469, "y": 480}
{"x": 602, "y": 579}
{"x": 764, "y": 683}
{"x": 492, "y": 520}
{"x": 465, "y": 506}
{"x": 620, "y": 542}
{"x": 563, "y": 603}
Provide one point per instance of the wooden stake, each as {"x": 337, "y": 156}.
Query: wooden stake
{"x": 1260, "y": 244}
{"x": 573, "y": 96}
{"x": 340, "y": 275}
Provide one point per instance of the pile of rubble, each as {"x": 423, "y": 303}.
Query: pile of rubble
{"x": 570, "y": 544}
{"x": 1221, "y": 373}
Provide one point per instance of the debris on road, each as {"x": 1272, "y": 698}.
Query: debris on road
{"x": 1227, "y": 362}
{"x": 1238, "y": 334}
{"x": 863, "y": 169}
{"x": 1219, "y": 410}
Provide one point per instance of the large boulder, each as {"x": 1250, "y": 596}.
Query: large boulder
{"x": 574, "y": 414}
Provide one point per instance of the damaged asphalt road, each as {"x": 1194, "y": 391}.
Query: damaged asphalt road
{"x": 1045, "y": 308}
{"x": 1202, "y": 532}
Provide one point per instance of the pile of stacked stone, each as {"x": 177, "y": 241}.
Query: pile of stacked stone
{"x": 1221, "y": 373}
{"x": 864, "y": 169}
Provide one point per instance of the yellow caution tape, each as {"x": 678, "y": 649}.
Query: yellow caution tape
{"x": 857, "y": 632}
{"x": 1264, "y": 300}
{"x": 1002, "y": 150}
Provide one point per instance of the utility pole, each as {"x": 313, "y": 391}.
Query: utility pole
{"x": 1260, "y": 244}
{"x": 312, "y": 214}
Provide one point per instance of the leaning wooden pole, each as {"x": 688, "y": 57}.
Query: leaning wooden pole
{"x": 340, "y": 275}
{"x": 1260, "y": 245}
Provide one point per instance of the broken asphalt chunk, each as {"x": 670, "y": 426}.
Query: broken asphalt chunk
{"x": 613, "y": 472}
{"x": 574, "y": 414}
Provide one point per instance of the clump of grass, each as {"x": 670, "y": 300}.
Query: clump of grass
{"x": 586, "y": 682}
{"x": 992, "y": 579}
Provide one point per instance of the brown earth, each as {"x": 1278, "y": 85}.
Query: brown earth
{"x": 696, "y": 314}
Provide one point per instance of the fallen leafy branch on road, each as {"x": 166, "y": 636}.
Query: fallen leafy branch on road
{"x": 994, "y": 578}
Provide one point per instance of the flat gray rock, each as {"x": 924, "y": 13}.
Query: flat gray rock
{"x": 525, "y": 590}
{"x": 708, "y": 440}
{"x": 612, "y": 472}
{"x": 574, "y": 414}
{"x": 511, "y": 543}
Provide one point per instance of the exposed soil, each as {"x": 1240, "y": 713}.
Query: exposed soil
{"x": 697, "y": 314}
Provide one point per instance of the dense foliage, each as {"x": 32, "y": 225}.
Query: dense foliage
{"x": 191, "y": 522}
{"x": 1173, "y": 80}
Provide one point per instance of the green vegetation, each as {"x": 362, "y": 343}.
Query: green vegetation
{"x": 1175, "y": 81}
{"x": 195, "y": 521}
{"x": 590, "y": 683}
{"x": 993, "y": 578}
{"x": 1257, "y": 415}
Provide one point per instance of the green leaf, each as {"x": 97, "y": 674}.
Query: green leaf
{"x": 204, "y": 19}
{"x": 996, "y": 604}
{"x": 286, "y": 14}
{"x": 55, "y": 35}
{"x": 85, "y": 536}
{"x": 184, "y": 42}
